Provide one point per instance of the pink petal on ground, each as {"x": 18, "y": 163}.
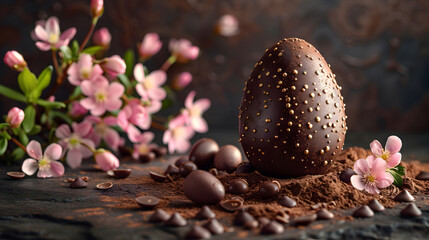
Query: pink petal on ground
{"x": 68, "y": 34}
{"x": 158, "y": 76}
{"x": 394, "y": 160}
{"x": 44, "y": 173}
{"x": 361, "y": 167}
{"x": 189, "y": 101}
{"x": 57, "y": 169}
{"x": 29, "y": 166}
{"x": 74, "y": 158}
{"x": 42, "y": 46}
{"x": 34, "y": 150}
{"x": 53, "y": 151}
{"x": 357, "y": 182}
{"x": 376, "y": 148}
{"x": 115, "y": 90}
{"x": 139, "y": 72}
{"x": 63, "y": 131}
{"x": 393, "y": 144}
{"x": 41, "y": 33}
{"x": 384, "y": 180}
{"x": 199, "y": 124}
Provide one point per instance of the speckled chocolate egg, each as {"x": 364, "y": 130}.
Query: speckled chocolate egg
{"x": 292, "y": 116}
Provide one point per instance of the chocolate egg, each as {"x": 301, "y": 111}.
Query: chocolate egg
{"x": 292, "y": 118}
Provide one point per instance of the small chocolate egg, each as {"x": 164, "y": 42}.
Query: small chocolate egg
{"x": 201, "y": 187}
{"x": 292, "y": 118}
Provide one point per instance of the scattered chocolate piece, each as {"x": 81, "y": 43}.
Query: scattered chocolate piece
{"x": 110, "y": 173}
{"x": 324, "y": 214}
{"x": 172, "y": 170}
{"x": 222, "y": 173}
{"x": 198, "y": 232}
{"x": 242, "y": 217}
{"x": 411, "y": 210}
{"x": 238, "y": 198}
{"x": 176, "y": 220}
{"x": 180, "y": 160}
{"x": 282, "y": 216}
{"x": 203, "y": 152}
{"x": 104, "y": 186}
{"x": 245, "y": 167}
{"x": 205, "y": 213}
{"x": 263, "y": 220}
{"x": 159, "y": 151}
{"x": 69, "y": 180}
{"x": 238, "y": 186}
{"x": 122, "y": 173}
{"x": 376, "y": 206}
{"x": 159, "y": 216}
{"x": 186, "y": 168}
{"x": 85, "y": 178}
{"x": 251, "y": 224}
{"x": 157, "y": 177}
{"x": 214, "y": 226}
{"x": 269, "y": 189}
{"x": 272, "y": 227}
{"x": 78, "y": 183}
{"x": 147, "y": 157}
{"x": 213, "y": 171}
{"x": 363, "y": 212}
{"x": 304, "y": 220}
{"x": 227, "y": 158}
{"x": 346, "y": 175}
{"x": 404, "y": 196}
{"x": 287, "y": 202}
{"x": 316, "y": 206}
{"x": 16, "y": 175}
{"x": 203, "y": 188}
{"x": 147, "y": 201}
{"x": 231, "y": 205}
{"x": 423, "y": 175}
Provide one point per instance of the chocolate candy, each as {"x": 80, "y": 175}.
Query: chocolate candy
{"x": 147, "y": 201}
{"x": 423, "y": 175}
{"x": 245, "y": 167}
{"x": 157, "y": 177}
{"x": 269, "y": 189}
{"x": 227, "y": 158}
{"x": 186, "y": 168}
{"x": 242, "y": 217}
{"x": 304, "y": 220}
{"x": 104, "y": 186}
{"x": 78, "y": 183}
{"x": 363, "y": 212}
{"x": 205, "y": 213}
{"x": 214, "y": 226}
{"x": 16, "y": 175}
{"x": 203, "y": 152}
{"x": 203, "y": 188}
{"x": 251, "y": 224}
{"x": 232, "y": 205}
{"x": 376, "y": 206}
{"x": 404, "y": 196}
{"x": 180, "y": 160}
{"x": 292, "y": 118}
{"x": 272, "y": 227}
{"x": 346, "y": 175}
{"x": 263, "y": 220}
{"x": 287, "y": 202}
{"x": 176, "y": 220}
{"x": 238, "y": 186}
{"x": 159, "y": 151}
{"x": 411, "y": 210}
{"x": 282, "y": 217}
{"x": 159, "y": 216}
{"x": 172, "y": 170}
{"x": 122, "y": 173}
{"x": 324, "y": 214}
{"x": 198, "y": 232}
{"x": 147, "y": 157}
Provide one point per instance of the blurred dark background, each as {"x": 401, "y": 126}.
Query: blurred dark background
{"x": 379, "y": 50}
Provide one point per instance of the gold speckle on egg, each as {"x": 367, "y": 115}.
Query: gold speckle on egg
{"x": 306, "y": 151}
{"x": 322, "y": 151}
{"x": 295, "y": 72}
{"x": 309, "y": 125}
{"x": 312, "y": 95}
{"x": 279, "y": 70}
{"x": 310, "y": 136}
{"x": 291, "y": 112}
{"x": 254, "y": 130}
{"x": 267, "y": 120}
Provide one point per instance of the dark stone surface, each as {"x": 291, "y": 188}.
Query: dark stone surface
{"x": 34, "y": 208}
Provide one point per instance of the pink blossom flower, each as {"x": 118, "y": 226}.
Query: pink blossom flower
{"x": 46, "y": 163}
{"x": 183, "y": 50}
{"x": 371, "y": 175}
{"x": 102, "y": 37}
{"x": 145, "y": 145}
{"x": 83, "y": 70}
{"x": 15, "y": 116}
{"x": 227, "y": 25}
{"x": 101, "y": 95}
{"x": 182, "y": 80}
{"x": 113, "y": 65}
{"x": 76, "y": 109}
{"x": 178, "y": 134}
{"x": 15, "y": 61}
{"x": 151, "y": 105}
{"x": 106, "y": 160}
{"x": 132, "y": 115}
{"x": 195, "y": 110}
{"x": 97, "y": 8}
{"x": 149, "y": 46}
{"x": 50, "y": 36}
{"x": 150, "y": 86}
{"x": 391, "y": 154}
{"x": 103, "y": 131}
{"x": 75, "y": 142}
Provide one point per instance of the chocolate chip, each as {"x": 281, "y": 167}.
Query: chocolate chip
{"x": 159, "y": 216}
{"x": 423, "y": 175}
{"x": 411, "y": 210}
{"x": 147, "y": 157}
{"x": 172, "y": 170}
{"x": 245, "y": 167}
{"x": 304, "y": 220}
{"x": 376, "y": 206}
{"x": 16, "y": 175}
{"x": 110, "y": 173}
{"x": 186, "y": 168}
{"x": 238, "y": 186}
{"x": 203, "y": 152}
{"x": 324, "y": 214}
{"x": 227, "y": 158}
{"x": 404, "y": 196}
{"x": 205, "y": 213}
{"x": 214, "y": 226}
{"x": 104, "y": 186}
{"x": 282, "y": 217}
{"x": 287, "y": 202}
{"x": 242, "y": 217}
{"x": 157, "y": 177}
{"x": 159, "y": 151}
{"x": 203, "y": 188}
{"x": 251, "y": 224}
{"x": 347, "y": 174}
{"x": 147, "y": 201}
{"x": 363, "y": 212}
{"x": 269, "y": 189}
{"x": 198, "y": 232}
{"x": 176, "y": 220}
{"x": 78, "y": 183}
{"x": 122, "y": 173}
{"x": 231, "y": 205}
{"x": 213, "y": 171}
{"x": 180, "y": 160}
{"x": 263, "y": 220}
{"x": 272, "y": 227}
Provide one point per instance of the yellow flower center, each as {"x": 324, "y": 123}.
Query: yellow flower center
{"x": 148, "y": 84}
{"x": 178, "y": 132}
{"x": 100, "y": 97}
{"x": 53, "y": 38}
{"x": 74, "y": 141}
{"x": 84, "y": 73}
{"x": 44, "y": 163}
{"x": 143, "y": 149}
{"x": 385, "y": 155}
{"x": 371, "y": 178}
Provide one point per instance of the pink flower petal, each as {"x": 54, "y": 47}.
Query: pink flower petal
{"x": 68, "y": 34}
{"x": 189, "y": 101}
{"x": 157, "y": 93}
{"x": 376, "y": 148}
{"x": 82, "y": 129}
{"x": 52, "y": 26}
{"x": 113, "y": 104}
{"x": 98, "y": 109}
{"x": 166, "y": 138}
{"x": 182, "y": 146}
{"x": 41, "y": 33}
{"x": 74, "y": 158}
{"x": 88, "y": 88}
{"x": 29, "y": 166}
{"x": 84, "y": 150}
{"x": 42, "y": 46}
{"x": 372, "y": 189}
{"x": 147, "y": 137}
{"x": 393, "y": 144}
{"x": 141, "y": 91}
{"x": 53, "y": 151}
{"x": 110, "y": 121}
{"x": 88, "y": 103}
{"x": 158, "y": 76}
{"x": 199, "y": 124}
{"x": 370, "y": 159}
{"x": 115, "y": 90}
{"x": 133, "y": 134}
{"x": 57, "y": 169}
{"x": 34, "y": 150}
{"x": 44, "y": 173}
{"x": 112, "y": 138}
{"x": 202, "y": 104}
{"x": 379, "y": 166}
{"x": 63, "y": 131}
{"x": 357, "y": 182}
{"x": 384, "y": 180}
{"x": 139, "y": 72}
{"x": 361, "y": 167}
{"x": 394, "y": 160}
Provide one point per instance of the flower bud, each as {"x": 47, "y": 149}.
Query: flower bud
{"x": 149, "y": 46}
{"x": 97, "y": 8}
{"x": 113, "y": 66}
{"x": 102, "y": 37}
{"x": 182, "y": 80}
{"x": 183, "y": 50}
{"x": 77, "y": 110}
{"x": 15, "y": 117}
{"x": 227, "y": 26}
{"x": 106, "y": 160}
{"x": 15, "y": 61}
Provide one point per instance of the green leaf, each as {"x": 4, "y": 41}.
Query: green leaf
{"x": 63, "y": 116}
{"x": 76, "y": 92}
{"x": 75, "y": 49}
{"x": 49, "y": 104}
{"x": 30, "y": 116}
{"x": 400, "y": 170}
{"x": 36, "y": 129}
{"x": 125, "y": 81}
{"x": 397, "y": 179}
{"x": 43, "y": 82}
{"x": 67, "y": 53}
{"x": 129, "y": 58}
{"x": 3, "y": 145}
{"x": 92, "y": 50}
{"x": 2, "y": 125}
{"x": 12, "y": 94}
{"x": 18, "y": 153}
{"x": 23, "y": 138}
{"x": 27, "y": 81}
{"x": 5, "y": 135}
